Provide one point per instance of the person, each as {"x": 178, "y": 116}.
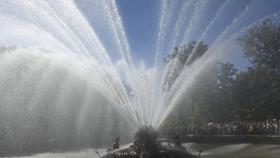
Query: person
{"x": 199, "y": 153}
{"x": 177, "y": 141}
{"x": 116, "y": 144}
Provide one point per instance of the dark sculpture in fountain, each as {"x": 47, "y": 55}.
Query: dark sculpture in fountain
{"x": 147, "y": 145}
{"x": 116, "y": 144}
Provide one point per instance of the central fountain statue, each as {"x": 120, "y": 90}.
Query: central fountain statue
{"x": 147, "y": 145}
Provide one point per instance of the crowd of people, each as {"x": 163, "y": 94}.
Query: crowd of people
{"x": 271, "y": 127}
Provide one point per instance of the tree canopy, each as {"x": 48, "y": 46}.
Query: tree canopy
{"x": 222, "y": 93}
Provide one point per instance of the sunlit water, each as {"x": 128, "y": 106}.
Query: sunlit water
{"x": 65, "y": 70}
{"x": 208, "y": 151}
{"x": 234, "y": 150}
{"x": 97, "y": 51}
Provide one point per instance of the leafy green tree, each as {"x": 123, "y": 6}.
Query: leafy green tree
{"x": 214, "y": 92}
{"x": 181, "y": 57}
{"x": 188, "y": 53}
{"x": 222, "y": 93}
{"x": 261, "y": 44}
{"x": 210, "y": 98}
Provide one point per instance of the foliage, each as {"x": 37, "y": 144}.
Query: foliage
{"x": 182, "y": 57}
{"x": 261, "y": 44}
{"x": 222, "y": 93}
{"x": 187, "y": 54}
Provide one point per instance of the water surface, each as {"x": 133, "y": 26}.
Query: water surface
{"x": 209, "y": 151}
{"x": 235, "y": 150}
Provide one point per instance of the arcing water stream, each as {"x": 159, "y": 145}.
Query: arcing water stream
{"x": 60, "y": 67}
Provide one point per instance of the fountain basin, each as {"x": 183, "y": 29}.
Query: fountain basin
{"x": 164, "y": 151}
{"x": 147, "y": 145}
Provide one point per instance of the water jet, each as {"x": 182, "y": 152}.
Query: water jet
{"x": 70, "y": 80}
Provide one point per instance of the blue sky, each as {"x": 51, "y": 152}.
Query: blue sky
{"x": 140, "y": 20}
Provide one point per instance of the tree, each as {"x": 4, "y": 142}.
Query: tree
{"x": 261, "y": 44}
{"x": 221, "y": 93}
{"x": 181, "y": 57}
{"x": 210, "y": 98}
{"x": 188, "y": 53}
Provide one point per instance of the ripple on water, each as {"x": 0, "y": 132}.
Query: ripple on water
{"x": 235, "y": 150}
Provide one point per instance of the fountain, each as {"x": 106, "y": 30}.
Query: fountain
{"x": 146, "y": 144}
{"x": 62, "y": 78}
